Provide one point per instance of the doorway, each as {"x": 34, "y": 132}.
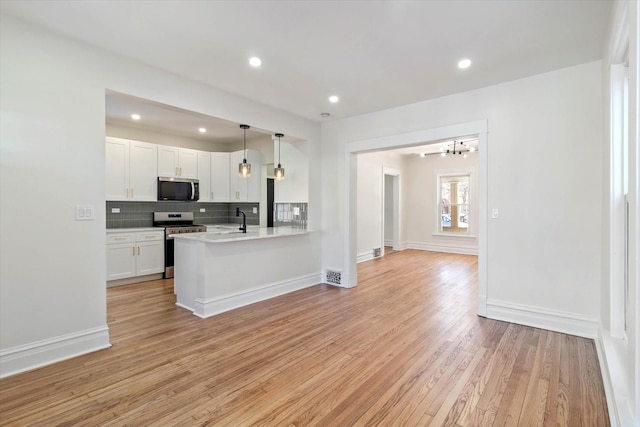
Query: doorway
{"x": 390, "y": 210}
{"x": 478, "y": 129}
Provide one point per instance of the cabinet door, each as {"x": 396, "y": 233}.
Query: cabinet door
{"x": 238, "y": 184}
{"x": 143, "y": 171}
{"x": 121, "y": 261}
{"x": 220, "y": 177}
{"x": 150, "y": 257}
{"x": 167, "y": 161}
{"x": 117, "y": 169}
{"x": 188, "y": 163}
{"x": 204, "y": 176}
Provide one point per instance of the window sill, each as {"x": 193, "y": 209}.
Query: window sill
{"x": 454, "y": 234}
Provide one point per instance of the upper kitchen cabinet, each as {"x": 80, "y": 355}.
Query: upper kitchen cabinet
{"x": 131, "y": 170}
{"x": 220, "y": 170}
{"x": 245, "y": 189}
{"x": 213, "y": 174}
{"x": 177, "y": 162}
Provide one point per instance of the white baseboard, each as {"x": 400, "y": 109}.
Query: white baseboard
{"x": 613, "y": 367}
{"x": 543, "y": 318}
{"x": 213, "y": 306}
{"x": 45, "y": 352}
{"x": 365, "y": 256}
{"x": 462, "y": 250}
{"x": 388, "y": 242}
{"x": 132, "y": 280}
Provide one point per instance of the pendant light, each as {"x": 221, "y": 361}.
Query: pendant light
{"x": 244, "y": 168}
{"x": 278, "y": 173}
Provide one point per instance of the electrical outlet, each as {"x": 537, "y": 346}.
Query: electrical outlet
{"x": 495, "y": 213}
{"x": 255, "y": 210}
{"x": 296, "y": 210}
{"x": 115, "y": 210}
{"x": 203, "y": 210}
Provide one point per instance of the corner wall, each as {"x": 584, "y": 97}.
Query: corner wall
{"x": 544, "y": 250}
{"x": 52, "y": 130}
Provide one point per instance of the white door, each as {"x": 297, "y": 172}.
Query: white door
{"x": 143, "y": 175}
{"x": 167, "y": 161}
{"x": 204, "y": 176}
{"x": 121, "y": 261}
{"x": 150, "y": 257}
{"x": 188, "y": 163}
{"x": 117, "y": 169}
{"x": 220, "y": 177}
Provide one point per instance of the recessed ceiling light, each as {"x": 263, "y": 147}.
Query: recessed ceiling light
{"x": 324, "y": 114}
{"x": 334, "y": 99}
{"x": 422, "y": 154}
{"x": 135, "y": 116}
{"x": 202, "y": 130}
{"x": 255, "y": 61}
{"x": 464, "y": 63}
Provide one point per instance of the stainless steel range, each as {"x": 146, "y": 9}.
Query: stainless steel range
{"x": 174, "y": 223}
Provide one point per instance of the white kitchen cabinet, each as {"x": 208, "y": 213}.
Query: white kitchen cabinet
{"x": 204, "y": 176}
{"x": 220, "y": 170}
{"x": 131, "y": 170}
{"x": 134, "y": 254}
{"x": 245, "y": 189}
{"x": 177, "y": 162}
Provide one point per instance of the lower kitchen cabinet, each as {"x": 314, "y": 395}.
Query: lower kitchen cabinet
{"x": 134, "y": 254}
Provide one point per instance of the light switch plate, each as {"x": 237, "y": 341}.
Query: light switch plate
{"x": 495, "y": 213}
{"x": 84, "y": 212}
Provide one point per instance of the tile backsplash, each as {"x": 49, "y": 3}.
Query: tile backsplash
{"x": 140, "y": 214}
{"x": 291, "y": 214}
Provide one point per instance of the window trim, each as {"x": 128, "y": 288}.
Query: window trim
{"x": 473, "y": 220}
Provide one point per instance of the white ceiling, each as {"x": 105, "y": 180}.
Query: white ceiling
{"x": 374, "y": 55}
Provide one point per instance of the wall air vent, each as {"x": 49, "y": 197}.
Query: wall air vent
{"x": 377, "y": 252}
{"x": 333, "y": 277}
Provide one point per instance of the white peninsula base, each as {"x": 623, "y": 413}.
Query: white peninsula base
{"x": 215, "y": 273}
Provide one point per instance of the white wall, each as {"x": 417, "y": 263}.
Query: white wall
{"x": 388, "y": 209}
{"x": 544, "y": 151}
{"x": 295, "y": 161}
{"x": 369, "y": 210}
{"x": 420, "y": 204}
{"x": 163, "y": 138}
{"x": 620, "y": 358}
{"x": 52, "y": 268}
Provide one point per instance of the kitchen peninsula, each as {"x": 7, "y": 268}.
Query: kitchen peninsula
{"x": 222, "y": 270}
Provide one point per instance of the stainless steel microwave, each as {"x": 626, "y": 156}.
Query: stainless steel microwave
{"x": 180, "y": 189}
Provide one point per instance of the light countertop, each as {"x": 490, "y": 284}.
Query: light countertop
{"x": 132, "y": 230}
{"x": 224, "y": 235}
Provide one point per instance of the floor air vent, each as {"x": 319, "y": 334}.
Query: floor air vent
{"x": 333, "y": 277}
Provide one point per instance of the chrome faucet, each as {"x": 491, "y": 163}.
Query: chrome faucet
{"x": 243, "y": 227}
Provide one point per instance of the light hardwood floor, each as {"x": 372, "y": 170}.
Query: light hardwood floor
{"x": 403, "y": 348}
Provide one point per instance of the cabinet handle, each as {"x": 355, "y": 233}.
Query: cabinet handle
{"x": 138, "y": 250}
{"x": 212, "y": 195}
{"x": 176, "y": 171}
{"x": 132, "y": 193}
{"x": 134, "y": 251}
{"x": 180, "y": 170}
{"x": 121, "y": 238}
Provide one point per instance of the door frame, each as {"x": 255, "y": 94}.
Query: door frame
{"x": 478, "y": 129}
{"x": 395, "y": 174}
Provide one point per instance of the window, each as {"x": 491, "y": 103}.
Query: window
{"x": 454, "y": 198}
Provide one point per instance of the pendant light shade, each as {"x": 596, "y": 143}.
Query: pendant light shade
{"x": 244, "y": 168}
{"x": 278, "y": 173}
